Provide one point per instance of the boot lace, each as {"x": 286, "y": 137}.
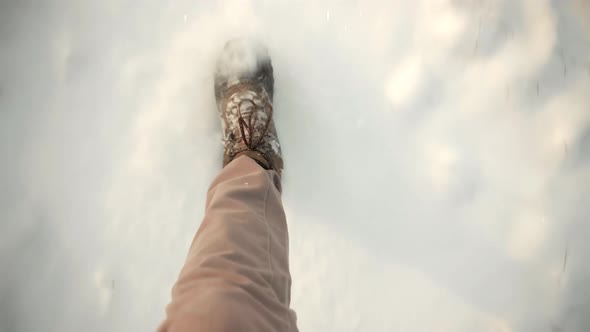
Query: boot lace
{"x": 248, "y": 125}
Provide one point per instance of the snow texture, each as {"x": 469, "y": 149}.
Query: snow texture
{"x": 436, "y": 159}
{"x": 240, "y": 58}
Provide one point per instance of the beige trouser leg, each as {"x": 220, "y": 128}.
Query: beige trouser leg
{"x": 236, "y": 276}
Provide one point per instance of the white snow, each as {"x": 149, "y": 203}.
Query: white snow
{"x": 436, "y": 159}
{"x": 241, "y": 57}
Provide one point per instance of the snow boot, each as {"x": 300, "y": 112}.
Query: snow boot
{"x": 244, "y": 87}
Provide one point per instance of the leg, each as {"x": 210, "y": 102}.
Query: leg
{"x": 236, "y": 276}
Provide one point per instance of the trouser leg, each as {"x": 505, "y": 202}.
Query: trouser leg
{"x": 236, "y": 276}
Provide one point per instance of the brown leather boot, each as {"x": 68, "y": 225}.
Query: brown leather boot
{"x": 244, "y": 87}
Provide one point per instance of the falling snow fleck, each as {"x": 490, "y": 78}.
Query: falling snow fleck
{"x": 328, "y": 15}
{"x": 185, "y": 17}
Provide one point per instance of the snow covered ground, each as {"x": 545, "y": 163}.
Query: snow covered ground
{"x": 437, "y": 159}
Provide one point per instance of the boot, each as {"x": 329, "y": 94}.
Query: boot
{"x": 244, "y": 87}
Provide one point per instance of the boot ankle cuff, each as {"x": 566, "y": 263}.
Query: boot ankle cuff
{"x": 257, "y": 157}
